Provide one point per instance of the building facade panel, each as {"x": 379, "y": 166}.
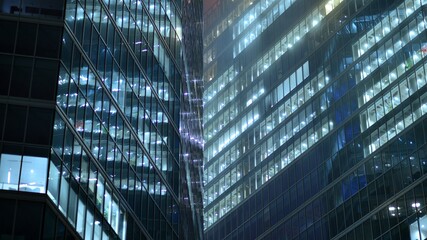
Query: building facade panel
{"x": 329, "y": 124}
{"x": 90, "y": 112}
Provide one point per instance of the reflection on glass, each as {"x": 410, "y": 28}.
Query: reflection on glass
{"x": 33, "y": 174}
{"x": 9, "y": 171}
{"x": 31, "y": 178}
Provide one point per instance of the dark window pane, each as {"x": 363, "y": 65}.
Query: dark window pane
{"x": 15, "y": 123}
{"x": 2, "y": 116}
{"x": 12, "y": 149}
{"x": 28, "y": 220}
{"x": 60, "y": 230}
{"x": 42, "y": 9}
{"x": 5, "y": 70}
{"x": 7, "y": 40}
{"x": 21, "y": 77}
{"x": 49, "y": 224}
{"x": 37, "y": 151}
{"x": 7, "y": 209}
{"x": 49, "y": 39}
{"x": 44, "y": 79}
{"x": 26, "y": 36}
{"x": 39, "y": 126}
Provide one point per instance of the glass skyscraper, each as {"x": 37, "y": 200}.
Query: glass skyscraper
{"x": 92, "y": 112}
{"x": 315, "y": 119}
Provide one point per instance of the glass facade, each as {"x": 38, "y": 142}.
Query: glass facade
{"x": 313, "y": 120}
{"x": 90, "y": 114}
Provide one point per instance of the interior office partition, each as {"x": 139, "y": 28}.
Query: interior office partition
{"x": 315, "y": 119}
{"x": 90, "y": 114}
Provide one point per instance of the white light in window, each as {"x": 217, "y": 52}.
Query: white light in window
{"x": 315, "y": 22}
{"x": 416, "y": 57}
{"x": 416, "y": 205}
{"x": 386, "y": 30}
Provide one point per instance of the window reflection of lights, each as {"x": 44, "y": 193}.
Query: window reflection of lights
{"x": 299, "y": 152}
{"x": 386, "y": 30}
{"x": 315, "y": 22}
{"x": 416, "y": 205}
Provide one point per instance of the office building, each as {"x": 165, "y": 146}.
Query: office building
{"x": 315, "y": 119}
{"x": 90, "y": 116}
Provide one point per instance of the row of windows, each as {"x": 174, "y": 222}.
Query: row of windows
{"x": 382, "y": 28}
{"x": 28, "y": 77}
{"x": 122, "y": 92}
{"x": 397, "y": 161}
{"x": 229, "y": 114}
{"x": 214, "y": 88}
{"x": 89, "y": 108}
{"x": 262, "y": 22}
{"x": 391, "y": 99}
{"x": 404, "y": 218}
{"x": 32, "y": 125}
{"x": 63, "y": 185}
{"x": 158, "y": 10}
{"x": 389, "y": 129}
{"x": 27, "y": 169}
{"x": 233, "y": 132}
{"x": 303, "y": 147}
{"x": 258, "y": 9}
{"x": 276, "y": 118}
{"x": 381, "y": 179}
{"x": 108, "y": 52}
{"x": 114, "y": 145}
{"x": 129, "y": 16}
{"x": 388, "y": 49}
{"x": 221, "y": 105}
{"x": 280, "y": 48}
{"x": 47, "y": 10}
{"x": 147, "y": 198}
{"x": 74, "y": 204}
{"x": 220, "y": 28}
{"x": 30, "y": 39}
{"x": 96, "y": 119}
{"x": 23, "y": 173}
{"x": 325, "y": 121}
{"x": 33, "y": 220}
{"x": 289, "y": 84}
{"x": 252, "y": 95}
{"x": 407, "y": 113}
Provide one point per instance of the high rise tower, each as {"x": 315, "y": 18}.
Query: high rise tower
{"x": 314, "y": 118}
{"x": 90, "y": 114}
